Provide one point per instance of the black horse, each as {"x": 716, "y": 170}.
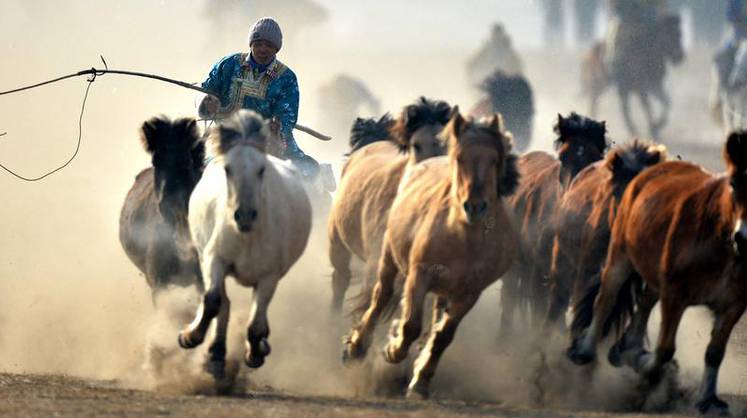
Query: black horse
{"x": 153, "y": 226}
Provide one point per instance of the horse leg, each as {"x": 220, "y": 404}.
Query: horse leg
{"x": 210, "y": 306}
{"x": 625, "y": 107}
{"x": 651, "y": 365}
{"x": 257, "y": 345}
{"x": 411, "y": 319}
{"x": 724, "y": 323}
{"x": 653, "y": 126}
{"x": 561, "y": 273}
{"x": 616, "y": 272}
{"x": 631, "y": 344}
{"x": 442, "y": 334}
{"x": 357, "y": 343}
{"x": 217, "y": 351}
{"x": 666, "y": 104}
{"x": 339, "y": 256}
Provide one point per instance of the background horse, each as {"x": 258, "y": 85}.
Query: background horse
{"x": 449, "y": 233}
{"x": 583, "y": 221}
{"x": 682, "y": 232}
{"x": 250, "y": 218}
{"x": 580, "y": 142}
{"x": 638, "y": 67}
{"x": 512, "y": 97}
{"x": 369, "y": 182}
{"x": 153, "y": 223}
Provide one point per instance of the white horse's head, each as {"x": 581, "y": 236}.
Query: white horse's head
{"x": 240, "y": 142}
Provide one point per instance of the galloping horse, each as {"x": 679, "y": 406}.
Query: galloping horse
{"x": 583, "y": 221}
{"x": 680, "y": 236}
{"x": 512, "y": 97}
{"x": 370, "y": 178}
{"x": 640, "y": 67}
{"x": 153, "y": 223}
{"x": 250, "y": 218}
{"x": 449, "y": 232}
{"x": 580, "y": 142}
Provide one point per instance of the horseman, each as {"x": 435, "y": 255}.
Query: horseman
{"x": 630, "y": 19}
{"x": 258, "y": 81}
{"x": 736, "y": 15}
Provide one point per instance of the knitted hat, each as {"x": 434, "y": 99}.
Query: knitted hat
{"x": 266, "y": 29}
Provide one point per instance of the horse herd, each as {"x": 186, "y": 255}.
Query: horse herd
{"x": 438, "y": 204}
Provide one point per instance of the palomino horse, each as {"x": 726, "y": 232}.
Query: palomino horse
{"x": 580, "y": 142}
{"x": 250, "y": 218}
{"x": 680, "y": 236}
{"x": 153, "y": 223}
{"x": 449, "y": 233}
{"x": 512, "y": 97}
{"x": 583, "y": 221}
{"x": 641, "y": 65}
{"x": 369, "y": 182}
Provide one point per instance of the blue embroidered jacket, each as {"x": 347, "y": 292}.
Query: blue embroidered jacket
{"x": 271, "y": 91}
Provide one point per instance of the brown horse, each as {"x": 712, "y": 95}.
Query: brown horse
{"x": 639, "y": 66}
{"x": 370, "y": 178}
{"x": 680, "y": 236}
{"x": 583, "y": 221}
{"x": 449, "y": 233}
{"x": 580, "y": 142}
{"x": 153, "y": 223}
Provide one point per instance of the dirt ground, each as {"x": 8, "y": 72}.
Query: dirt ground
{"x": 64, "y": 396}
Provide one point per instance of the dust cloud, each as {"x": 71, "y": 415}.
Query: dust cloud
{"x": 72, "y": 303}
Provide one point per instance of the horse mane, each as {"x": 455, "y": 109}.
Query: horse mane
{"x": 160, "y": 134}
{"x": 629, "y": 160}
{"x": 577, "y": 125}
{"x": 413, "y": 117}
{"x": 370, "y": 130}
{"x": 735, "y": 152}
{"x": 244, "y": 127}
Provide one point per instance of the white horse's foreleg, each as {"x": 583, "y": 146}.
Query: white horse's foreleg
{"x": 217, "y": 360}
{"x": 259, "y": 328}
{"x": 210, "y": 306}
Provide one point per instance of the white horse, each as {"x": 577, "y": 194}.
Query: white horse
{"x": 250, "y": 218}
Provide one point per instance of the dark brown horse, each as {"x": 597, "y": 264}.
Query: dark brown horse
{"x": 638, "y": 67}
{"x": 153, "y": 222}
{"x": 680, "y": 236}
{"x": 580, "y": 142}
{"x": 583, "y": 221}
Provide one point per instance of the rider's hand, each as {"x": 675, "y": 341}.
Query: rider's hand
{"x": 210, "y": 106}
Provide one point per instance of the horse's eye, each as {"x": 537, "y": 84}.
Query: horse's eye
{"x": 228, "y": 171}
{"x": 261, "y": 172}
{"x": 580, "y": 151}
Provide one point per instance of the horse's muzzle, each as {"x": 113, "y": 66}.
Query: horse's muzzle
{"x": 245, "y": 218}
{"x": 475, "y": 210}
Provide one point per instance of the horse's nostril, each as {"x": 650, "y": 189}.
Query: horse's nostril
{"x": 482, "y": 207}
{"x": 468, "y": 207}
{"x": 237, "y": 216}
{"x": 253, "y": 214}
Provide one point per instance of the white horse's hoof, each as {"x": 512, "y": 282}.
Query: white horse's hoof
{"x": 187, "y": 343}
{"x": 417, "y": 393}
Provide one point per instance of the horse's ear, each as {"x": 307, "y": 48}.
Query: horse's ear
{"x": 227, "y": 137}
{"x": 456, "y": 124}
{"x": 496, "y": 123}
{"x": 615, "y": 163}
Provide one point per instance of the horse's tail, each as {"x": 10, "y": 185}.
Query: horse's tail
{"x": 370, "y": 130}
{"x": 622, "y": 311}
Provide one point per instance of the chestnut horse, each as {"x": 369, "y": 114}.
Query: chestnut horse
{"x": 250, "y": 218}
{"x": 449, "y": 233}
{"x": 584, "y": 219}
{"x": 153, "y": 222}
{"x": 370, "y": 178}
{"x": 580, "y": 142}
{"x": 680, "y": 236}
